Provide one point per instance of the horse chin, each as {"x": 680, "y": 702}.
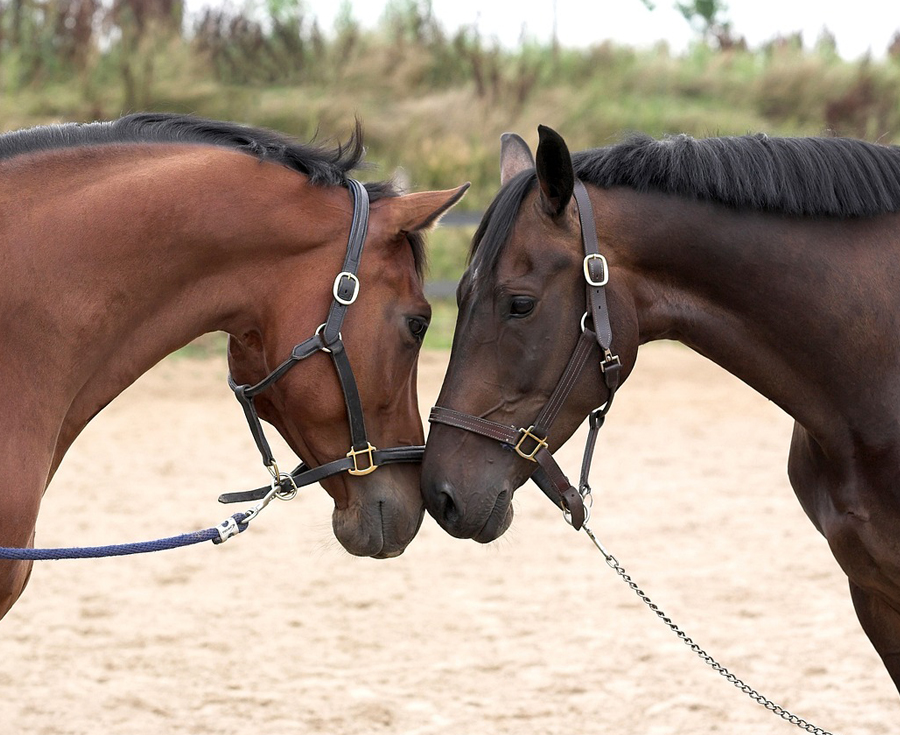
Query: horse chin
{"x": 380, "y": 527}
{"x": 498, "y": 521}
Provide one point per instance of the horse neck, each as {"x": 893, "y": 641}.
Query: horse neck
{"x": 776, "y": 301}
{"x": 134, "y": 256}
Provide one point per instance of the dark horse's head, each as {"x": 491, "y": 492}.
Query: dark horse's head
{"x": 521, "y": 303}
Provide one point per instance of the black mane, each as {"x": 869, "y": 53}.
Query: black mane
{"x": 324, "y": 166}
{"x": 809, "y": 177}
{"x": 806, "y": 177}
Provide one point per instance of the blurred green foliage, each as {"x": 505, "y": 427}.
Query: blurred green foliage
{"x": 431, "y": 101}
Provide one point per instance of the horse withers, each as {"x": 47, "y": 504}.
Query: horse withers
{"x": 779, "y": 259}
{"x": 121, "y": 242}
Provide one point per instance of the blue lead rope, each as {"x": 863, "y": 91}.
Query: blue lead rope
{"x": 238, "y": 523}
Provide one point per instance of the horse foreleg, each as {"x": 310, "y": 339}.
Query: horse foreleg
{"x": 881, "y": 622}
{"x": 14, "y": 576}
{"x": 18, "y": 517}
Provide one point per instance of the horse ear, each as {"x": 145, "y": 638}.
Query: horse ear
{"x": 555, "y": 173}
{"x": 515, "y": 157}
{"x": 420, "y": 211}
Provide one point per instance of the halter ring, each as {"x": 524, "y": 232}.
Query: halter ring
{"x": 319, "y": 331}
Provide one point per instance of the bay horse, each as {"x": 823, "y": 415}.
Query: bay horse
{"x": 778, "y": 259}
{"x": 121, "y": 242}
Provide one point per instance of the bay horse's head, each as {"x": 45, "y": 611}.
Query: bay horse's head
{"x": 383, "y": 319}
{"x": 521, "y": 307}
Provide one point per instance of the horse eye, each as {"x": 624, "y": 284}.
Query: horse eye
{"x": 417, "y": 327}
{"x": 521, "y": 306}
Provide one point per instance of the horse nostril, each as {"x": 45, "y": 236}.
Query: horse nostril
{"x": 448, "y": 508}
{"x": 447, "y": 512}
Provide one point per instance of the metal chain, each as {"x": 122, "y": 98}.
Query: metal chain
{"x": 705, "y": 657}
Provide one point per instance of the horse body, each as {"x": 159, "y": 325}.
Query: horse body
{"x": 115, "y": 253}
{"x": 805, "y": 314}
{"x": 802, "y": 307}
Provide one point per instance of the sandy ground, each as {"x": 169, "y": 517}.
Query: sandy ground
{"x": 281, "y": 632}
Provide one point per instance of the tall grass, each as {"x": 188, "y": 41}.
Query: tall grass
{"x": 431, "y": 101}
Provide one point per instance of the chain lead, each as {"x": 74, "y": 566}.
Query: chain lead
{"x": 704, "y": 656}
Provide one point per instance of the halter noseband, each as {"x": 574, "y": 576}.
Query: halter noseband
{"x": 531, "y": 443}
{"x": 362, "y": 458}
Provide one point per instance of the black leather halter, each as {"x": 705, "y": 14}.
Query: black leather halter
{"x": 531, "y": 443}
{"x": 362, "y": 458}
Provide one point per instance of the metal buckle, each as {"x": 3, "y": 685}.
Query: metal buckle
{"x": 354, "y": 453}
{"x": 526, "y": 434}
{"x": 610, "y": 362}
{"x": 337, "y": 283}
{"x": 587, "y": 273}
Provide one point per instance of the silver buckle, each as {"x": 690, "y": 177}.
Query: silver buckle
{"x": 337, "y": 282}
{"x": 587, "y": 273}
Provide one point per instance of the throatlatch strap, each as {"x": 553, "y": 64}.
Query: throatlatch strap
{"x": 256, "y": 430}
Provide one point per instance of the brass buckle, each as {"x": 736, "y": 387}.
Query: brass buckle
{"x": 354, "y": 453}
{"x": 526, "y": 434}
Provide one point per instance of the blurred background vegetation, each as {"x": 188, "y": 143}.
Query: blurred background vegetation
{"x": 430, "y": 101}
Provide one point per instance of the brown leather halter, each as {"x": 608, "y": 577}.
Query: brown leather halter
{"x": 531, "y": 443}
{"x": 362, "y": 458}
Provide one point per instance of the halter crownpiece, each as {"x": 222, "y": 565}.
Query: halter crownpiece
{"x": 531, "y": 443}
{"x": 363, "y": 458}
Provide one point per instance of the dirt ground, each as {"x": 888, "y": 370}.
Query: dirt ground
{"x": 280, "y": 632}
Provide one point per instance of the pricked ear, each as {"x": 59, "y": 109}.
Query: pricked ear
{"x": 420, "y": 211}
{"x": 515, "y": 157}
{"x": 555, "y": 173}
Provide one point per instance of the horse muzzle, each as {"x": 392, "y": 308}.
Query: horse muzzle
{"x": 379, "y": 522}
{"x": 483, "y": 516}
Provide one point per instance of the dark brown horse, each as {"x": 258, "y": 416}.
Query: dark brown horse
{"x": 779, "y": 259}
{"x": 121, "y": 242}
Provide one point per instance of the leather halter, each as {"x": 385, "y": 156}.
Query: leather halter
{"x": 362, "y": 458}
{"x": 531, "y": 443}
